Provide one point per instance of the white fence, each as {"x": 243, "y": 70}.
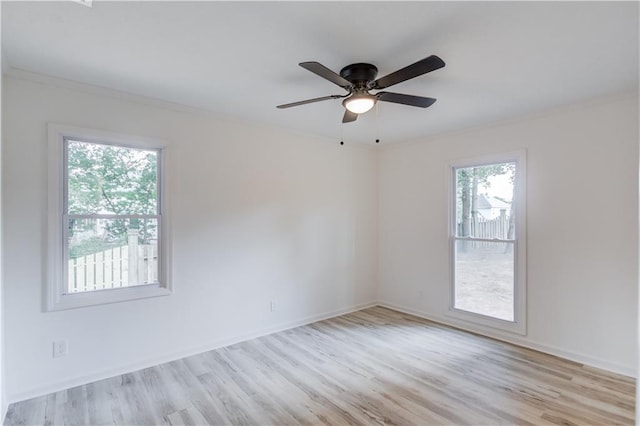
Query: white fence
{"x": 487, "y": 229}
{"x": 123, "y": 266}
{"x": 490, "y": 228}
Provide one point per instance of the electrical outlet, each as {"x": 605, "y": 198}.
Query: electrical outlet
{"x": 273, "y": 306}
{"x": 60, "y": 348}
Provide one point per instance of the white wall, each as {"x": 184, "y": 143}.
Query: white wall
{"x": 582, "y": 197}
{"x": 261, "y": 214}
{"x": 258, "y": 214}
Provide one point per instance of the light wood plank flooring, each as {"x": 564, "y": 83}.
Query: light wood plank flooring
{"x": 375, "y": 366}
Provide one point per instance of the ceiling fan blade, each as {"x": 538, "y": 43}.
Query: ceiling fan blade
{"x": 309, "y": 101}
{"x": 324, "y": 72}
{"x": 349, "y": 116}
{"x": 423, "y": 66}
{"x": 399, "y": 98}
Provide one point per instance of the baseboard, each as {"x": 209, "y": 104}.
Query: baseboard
{"x": 129, "y": 368}
{"x": 139, "y": 365}
{"x": 518, "y": 340}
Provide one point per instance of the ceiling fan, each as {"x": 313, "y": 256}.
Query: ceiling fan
{"x": 358, "y": 79}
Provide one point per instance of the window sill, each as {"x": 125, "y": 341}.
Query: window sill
{"x": 101, "y": 297}
{"x": 479, "y": 321}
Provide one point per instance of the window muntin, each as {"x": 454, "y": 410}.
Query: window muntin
{"x": 111, "y": 216}
{"x": 487, "y": 241}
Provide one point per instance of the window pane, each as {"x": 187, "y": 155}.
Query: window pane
{"x": 484, "y": 197}
{"x": 105, "y": 179}
{"x": 111, "y": 253}
{"x": 484, "y": 278}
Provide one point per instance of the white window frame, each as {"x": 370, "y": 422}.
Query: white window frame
{"x": 55, "y": 295}
{"x": 519, "y": 325}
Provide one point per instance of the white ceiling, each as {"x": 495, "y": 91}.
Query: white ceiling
{"x": 504, "y": 59}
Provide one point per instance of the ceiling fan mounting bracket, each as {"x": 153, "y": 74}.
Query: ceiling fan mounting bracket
{"x": 359, "y": 74}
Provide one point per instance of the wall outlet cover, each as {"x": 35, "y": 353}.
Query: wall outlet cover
{"x": 60, "y": 348}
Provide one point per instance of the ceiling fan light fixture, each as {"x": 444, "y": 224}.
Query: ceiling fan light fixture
{"x": 359, "y": 104}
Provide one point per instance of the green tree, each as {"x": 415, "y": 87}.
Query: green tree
{"x": 468, "y": 181}
{"x": 105, "y": 179}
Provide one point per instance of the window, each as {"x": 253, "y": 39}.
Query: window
{"x": 487, "y": 242}
{"x": 107, "y": 237}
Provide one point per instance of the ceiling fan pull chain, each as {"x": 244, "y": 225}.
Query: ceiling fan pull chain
{"x": 377, "y": 125}
{"x": 341, "y": 133}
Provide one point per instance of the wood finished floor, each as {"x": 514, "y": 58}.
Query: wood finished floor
{"x": 375, "y": 366}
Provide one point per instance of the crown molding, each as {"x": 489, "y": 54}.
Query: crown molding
{"x": 21, "y": 74}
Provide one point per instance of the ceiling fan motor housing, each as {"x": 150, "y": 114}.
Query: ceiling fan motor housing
{"x": 359, "y": 74}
